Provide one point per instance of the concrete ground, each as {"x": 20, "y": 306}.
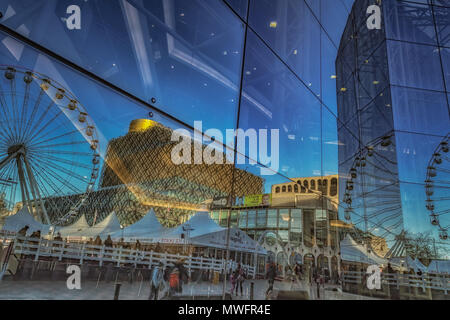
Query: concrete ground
{"x": 90, "y": 290}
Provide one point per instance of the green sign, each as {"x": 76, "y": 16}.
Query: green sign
{"x": 258, "y": 200}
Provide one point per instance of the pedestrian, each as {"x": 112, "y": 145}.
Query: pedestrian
{"x": 97, "y": 243}
{"x": 271, "y": 275}
{"x": 233, "y": 280}
{"x": 137, "y": 246}
{"x": 177, "y": 275}
{"x": 156, "y": 281}
{"x": 240, "y": 279}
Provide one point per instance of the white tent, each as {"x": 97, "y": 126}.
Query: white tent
{"x": 107, "y": 226}
{"x": 23, "y": 218}
{"x": 201, "y": 230}
{"x": 238, "y": 241}
{"x": 74, "y": 229}
{"x": 439, "y": 267}
{"x": 354, "y": 252}
{"x": 200, "y": 224}
{"x": 147, "y": 228}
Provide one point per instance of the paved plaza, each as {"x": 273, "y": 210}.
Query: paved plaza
{"x": 90, "y": 290}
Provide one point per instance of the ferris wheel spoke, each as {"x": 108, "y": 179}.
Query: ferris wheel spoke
{"x": 64, "y": 170}
{"x": 24, "y": 107}
{"x": 46, "y": 125}
{"x": 69, "y": 162}
{"x": 62, "y": 152}
{"x": 5, "y": 176}
{"x": 54, "y": 129}
{"x": 60, "y": 179}
{"x": 48, "y": 197}
{"x": 7, "y": 120}
{"x": 63, "y": 144}
{"x": 14, "y": 107}
{"x": 33, "y": 113}
{"x": 55, "y": 138}
{"x": 41, "y": 118}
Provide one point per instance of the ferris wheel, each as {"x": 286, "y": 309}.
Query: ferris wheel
{"x": 48, "y": 147}
{"x": 372, "y": 189}
{"x": 437, "y": 185}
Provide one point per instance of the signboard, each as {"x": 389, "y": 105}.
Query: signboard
{"x": 258, "y": 200}
{"x": 222, "y": 202}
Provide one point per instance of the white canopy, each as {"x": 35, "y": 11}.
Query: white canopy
{"x": 106, "y": 227}
{"x": 72, "y": 230}
{"x": 23, "y": 218}
{"x": 200, "y": 224}
{"x": 439, "y": 267}
{"x": 238, "y": 241}
{"x": 199, "y": 230}
{"x": 354, "y": 252}
{"x": 146, "y": 228}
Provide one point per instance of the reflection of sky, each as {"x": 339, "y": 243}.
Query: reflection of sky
{"x": 188, "y": 57}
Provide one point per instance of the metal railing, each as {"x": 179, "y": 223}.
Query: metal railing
{"x": 396, "y": 280}
{"x": 42, "y": 249}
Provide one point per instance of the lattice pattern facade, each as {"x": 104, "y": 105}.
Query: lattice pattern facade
{"x": 139, "y": 174}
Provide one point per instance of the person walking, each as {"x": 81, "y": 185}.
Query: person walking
{"x": 233, "y": 280}
{"x": 240, "y": 279}
{"x": 156, "y": 281}
{"x": 271, "y": 275}
{"x": 97, "y": 243}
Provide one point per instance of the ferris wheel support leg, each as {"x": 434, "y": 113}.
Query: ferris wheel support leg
{"x": 35, "y": 190}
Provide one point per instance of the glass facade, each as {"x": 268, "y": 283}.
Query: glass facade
{"x": 302, "y": 125}
{"x": 393, "y": 125}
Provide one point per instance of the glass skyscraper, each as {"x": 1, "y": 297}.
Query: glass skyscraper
{"x": 394, "y": 119}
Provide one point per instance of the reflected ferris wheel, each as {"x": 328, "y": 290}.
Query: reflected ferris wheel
{"x": 48, "y": 147}
{"x": 437, "y": 185}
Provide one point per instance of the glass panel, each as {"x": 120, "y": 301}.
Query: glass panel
{"x": 420, "y": 111}
{"x": 261, "y": 219}
{"x": 283, "y": 218}
{"x": 186, "y": 55}
{"x": 321, "y": 227}
{"x": 407, "y": 68}
{"x": 251, "y": 219}
{"x": 243, "y": 220}
{"x": 296, "y": 226}
{"x": 308, "y": 227}
{"x": 272, "y": 219}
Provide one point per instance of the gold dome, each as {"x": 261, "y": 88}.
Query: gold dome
{"x": 140, "y": 125}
